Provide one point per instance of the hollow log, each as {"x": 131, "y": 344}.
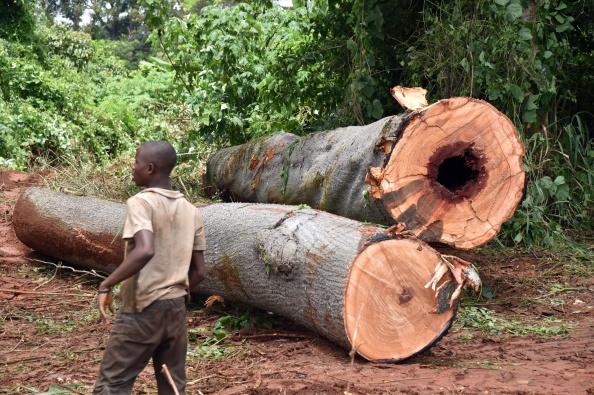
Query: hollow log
{"x": 359, "y": 286}
{"x": 451, "y": 172}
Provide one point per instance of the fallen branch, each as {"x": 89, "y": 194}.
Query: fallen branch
{"x": 44, "y": 293}
{"x": 170, "y": 379}
{"x": 23, "y": 360}
{"x": 61, "y": 266}
{"x": 287, "y": 335}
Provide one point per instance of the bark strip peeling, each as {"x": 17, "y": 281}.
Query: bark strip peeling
{"x": 356, "y": 285}
{"x": 451, "y": 172}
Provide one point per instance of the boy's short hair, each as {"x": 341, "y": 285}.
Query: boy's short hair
{"x": 161, "y": 153}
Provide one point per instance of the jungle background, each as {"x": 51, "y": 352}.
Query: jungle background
{"x": 83, "y": 82}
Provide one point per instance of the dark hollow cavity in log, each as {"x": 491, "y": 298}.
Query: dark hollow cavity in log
{"x": 459, "y": 171}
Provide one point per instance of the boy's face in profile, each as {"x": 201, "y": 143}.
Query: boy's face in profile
{"x": 141, "y": 169}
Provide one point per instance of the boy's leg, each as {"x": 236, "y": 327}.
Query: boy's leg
{"x": 173, "y": 348}
{"x": 131, "y": 343}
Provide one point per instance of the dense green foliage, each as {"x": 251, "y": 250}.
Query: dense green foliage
{"x": 230, "y": 71}
{"x": 63, "y": 94}
{"x": 247, "y": 73}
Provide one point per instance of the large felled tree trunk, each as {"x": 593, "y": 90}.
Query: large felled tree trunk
{"x": 359, "y": 286}
{"x": 451, "y": 172}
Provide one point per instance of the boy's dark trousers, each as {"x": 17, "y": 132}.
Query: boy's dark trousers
{"x": 159, "y": 331}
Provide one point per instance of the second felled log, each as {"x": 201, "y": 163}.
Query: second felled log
{"x": 451, "y": 172}
{"x": 359, "y": 286}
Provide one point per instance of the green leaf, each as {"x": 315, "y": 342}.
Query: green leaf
{"x": 465, "y": 65}
{"x": 560, "y": 180}
{"x": 546, "y": 182}
{"x": 531, "y": 102}
{"x": 373, "y": 16}
{"x": 525, "y": 34}
{"x": 204, "y": 121}
{"x": 378, "y": 111}
{"x": 553, "y": 189}
{"x": 219, "y": 333}
{"x": 563, "y": 27}
{"x": 55, "y": 390}
{"x": 501, "y": 2}
{"x": 368, "y": 90}
{"x": 487, "y": 292}
{"x": 352, "y": 45}
{"x": 514, "y": 10}
{"x": 547, "y": 54}
{"x": 562, "y": 192}
{"x": 516, "y": 93}
{"x": 529, "y": 116}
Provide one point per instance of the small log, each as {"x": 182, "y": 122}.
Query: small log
{"x": 451, "y": 172}
{"x": 359, "y": 286}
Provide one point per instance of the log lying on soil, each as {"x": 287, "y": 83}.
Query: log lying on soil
{"x": 451, "y": 172}
{"x": 359, "y": 286}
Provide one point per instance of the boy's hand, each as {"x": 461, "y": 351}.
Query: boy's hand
{"x": 105, "y": 300}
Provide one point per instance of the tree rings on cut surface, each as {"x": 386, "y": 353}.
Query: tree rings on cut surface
{"x": 455, "y": 175}
{"x": 387, "y": 309}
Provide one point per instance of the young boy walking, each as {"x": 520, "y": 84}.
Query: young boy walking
{"x": 164, "y": 260}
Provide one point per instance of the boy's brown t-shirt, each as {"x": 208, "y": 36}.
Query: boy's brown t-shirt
{"x": 178, "y": 230}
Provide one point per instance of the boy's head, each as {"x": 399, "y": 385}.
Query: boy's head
{"x": 154, "y": 162}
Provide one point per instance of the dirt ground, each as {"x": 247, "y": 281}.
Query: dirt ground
{"x": 51, "y": 339}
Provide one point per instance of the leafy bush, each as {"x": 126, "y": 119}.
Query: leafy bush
{"x": 71, "y": 45}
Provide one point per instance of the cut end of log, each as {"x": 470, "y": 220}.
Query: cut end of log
{"x": 463, "y": 175}
{"x": 389, "y": 314}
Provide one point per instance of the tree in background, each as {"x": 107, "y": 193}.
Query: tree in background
{"x": 112, "y": 19}
{"x": 50, "y": 8}
{"x": 73, "y": 10}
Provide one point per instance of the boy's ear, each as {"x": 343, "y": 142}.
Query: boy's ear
{"x": 151, "y": 168}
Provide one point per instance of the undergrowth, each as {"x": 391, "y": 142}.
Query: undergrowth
{"x": 485, "y": 320}
{"x": 113, "y": 180}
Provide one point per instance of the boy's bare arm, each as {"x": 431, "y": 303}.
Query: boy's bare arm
{"x": 142, "y": 253}
{"x": 144, "y": 250}
{"x": 197, "y": 271}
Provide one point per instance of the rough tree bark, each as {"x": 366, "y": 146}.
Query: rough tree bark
{"x": 361, "y": 287}
{"x": 451, "y": 172}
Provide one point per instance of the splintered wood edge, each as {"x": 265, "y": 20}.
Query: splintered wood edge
{"x": 388, "y": 312}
